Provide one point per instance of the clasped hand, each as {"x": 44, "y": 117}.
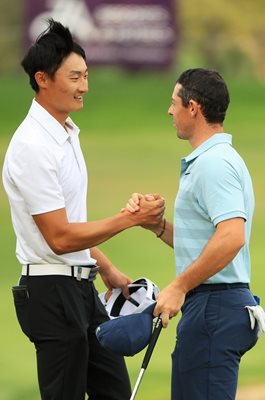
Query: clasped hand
{"x": 148, "y": 209}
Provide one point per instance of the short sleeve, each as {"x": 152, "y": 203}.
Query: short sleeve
{"x": 220, "y": 190}
{"x": 35, "y": 173}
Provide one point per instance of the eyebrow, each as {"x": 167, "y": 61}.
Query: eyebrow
{"x": 78, "y": 72}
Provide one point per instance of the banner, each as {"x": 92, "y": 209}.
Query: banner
{"x": 136, "y": 33}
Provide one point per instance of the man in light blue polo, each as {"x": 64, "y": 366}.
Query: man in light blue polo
{"x": 214, "y": 186}
{"x": 210, "y": 235}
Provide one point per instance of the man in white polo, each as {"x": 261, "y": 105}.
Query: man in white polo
{"x": 45, "y": 178}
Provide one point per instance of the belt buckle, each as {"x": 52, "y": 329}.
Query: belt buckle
{"x": 79, "y": 273}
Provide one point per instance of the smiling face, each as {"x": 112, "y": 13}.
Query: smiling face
{"x": 64, "y": 92}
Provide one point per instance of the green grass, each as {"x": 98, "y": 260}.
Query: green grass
{"x": 129, "y": 145}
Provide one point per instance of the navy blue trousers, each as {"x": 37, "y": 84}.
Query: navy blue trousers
{"x": 213, "y": 334}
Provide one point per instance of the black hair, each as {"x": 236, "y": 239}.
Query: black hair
{"x": 50, "y": 49}
{"x": 207, "y": 88}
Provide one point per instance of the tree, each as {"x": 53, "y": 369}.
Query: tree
{"x": 229, "y": 35}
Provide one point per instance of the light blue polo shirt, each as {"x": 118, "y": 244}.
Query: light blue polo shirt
{"x": 215, "y": 185}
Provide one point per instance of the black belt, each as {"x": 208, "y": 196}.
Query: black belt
{"x": 208, "y": 287}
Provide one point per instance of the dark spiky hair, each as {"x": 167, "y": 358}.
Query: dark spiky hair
{"x": 50, "y": 49}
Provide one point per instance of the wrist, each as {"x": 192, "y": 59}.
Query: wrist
{"x": 158, "y": 229}
{"x": 128, "y": 219}
{"x": 180, "y": 285}
{"x": 162, "y": 230}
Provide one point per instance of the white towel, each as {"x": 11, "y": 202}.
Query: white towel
{"x": 257, "y": 316}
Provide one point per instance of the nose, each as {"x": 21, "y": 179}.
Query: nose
{"x": 83, "y": 86}
{"x": 169, "y": 111}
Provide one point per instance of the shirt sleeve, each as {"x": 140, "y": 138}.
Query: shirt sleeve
{"x": 35, "y": 173}
{"x": 220, "y": 191}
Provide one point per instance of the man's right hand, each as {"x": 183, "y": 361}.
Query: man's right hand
{"x": 150, "y": 212}
{"x": 133, "y": 203}
{"x": 152, "y": 204}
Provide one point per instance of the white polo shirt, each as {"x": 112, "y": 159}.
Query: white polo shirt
{"x": 44, "y": 170}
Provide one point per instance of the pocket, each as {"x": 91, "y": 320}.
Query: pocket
{"x": 21, "y": 298}
{"x": 20, "y": 294}
{"x": 193, "y": 340}
{"x": 62, "y": 307}
{"x": 212, "y": 312}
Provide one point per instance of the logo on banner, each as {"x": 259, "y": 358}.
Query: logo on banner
{"x": 72, "y": 13}
{"x": 114, "y": 32}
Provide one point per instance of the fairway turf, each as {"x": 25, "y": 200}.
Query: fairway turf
{"x": 130, "y": 145}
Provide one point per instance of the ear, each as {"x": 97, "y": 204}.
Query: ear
{"x": 193, "y": 108}
{"x": 41, "y": 79}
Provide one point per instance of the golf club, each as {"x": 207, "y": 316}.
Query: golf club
{"x": 149, "y": 351}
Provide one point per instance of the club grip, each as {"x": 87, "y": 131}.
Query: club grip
{"x": 150, "y": 348}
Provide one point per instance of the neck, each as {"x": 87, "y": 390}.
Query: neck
{"x": 60, "y": 117}
{"x": 204, "y": 134}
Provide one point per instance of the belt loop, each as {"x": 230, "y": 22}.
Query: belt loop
{"x": 73, "y": 271}
{"x": 27, "y": 270}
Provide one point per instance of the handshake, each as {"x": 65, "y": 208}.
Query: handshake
{"x": 147, "y": 211}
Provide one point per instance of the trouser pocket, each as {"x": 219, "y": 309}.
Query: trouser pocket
{"x": 21, "y": 298}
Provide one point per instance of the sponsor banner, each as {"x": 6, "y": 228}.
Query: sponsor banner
{"x": 137, "y": 33}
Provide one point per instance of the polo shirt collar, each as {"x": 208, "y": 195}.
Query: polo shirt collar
{"x": 51, "y": 125}
{"x": 217, "y": 138}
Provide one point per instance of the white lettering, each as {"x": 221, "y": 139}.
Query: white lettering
{"x": 125, "y": 32}
{"x": 119, "y": 13}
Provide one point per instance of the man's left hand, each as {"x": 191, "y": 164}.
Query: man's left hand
{"x": 113, "y": 278}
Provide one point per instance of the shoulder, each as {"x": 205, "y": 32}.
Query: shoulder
{"x": 29, "y": 149}
{"x": 220, "y": 169}
{"x": 30, "y": 136}
{"x": 221, "y": 159}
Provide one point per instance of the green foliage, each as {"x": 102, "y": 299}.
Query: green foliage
{"x": 11, "y": 35}
{"x": 227, "y": 35}
{"x": 129, "y": 145}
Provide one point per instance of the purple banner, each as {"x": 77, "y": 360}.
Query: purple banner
{"x": 137, "y": 33}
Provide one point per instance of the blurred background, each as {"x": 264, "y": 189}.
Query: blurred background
{"x": 136, "y": 50}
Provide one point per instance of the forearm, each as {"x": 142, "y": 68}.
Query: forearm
{"x": 64, "y": 236}
{"x": 80, "y": 236}
{"x": 102, "y": 260}
{"x": 220, "y": 250}
{"x": 110, "y": 275}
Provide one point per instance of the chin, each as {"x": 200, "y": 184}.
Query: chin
{"x": 78, "y": 107}
{"x": 181, "y": 136}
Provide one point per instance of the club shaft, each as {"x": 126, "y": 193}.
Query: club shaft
{"x": 137, "y": 384}
{"x": 149, "y": 351}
